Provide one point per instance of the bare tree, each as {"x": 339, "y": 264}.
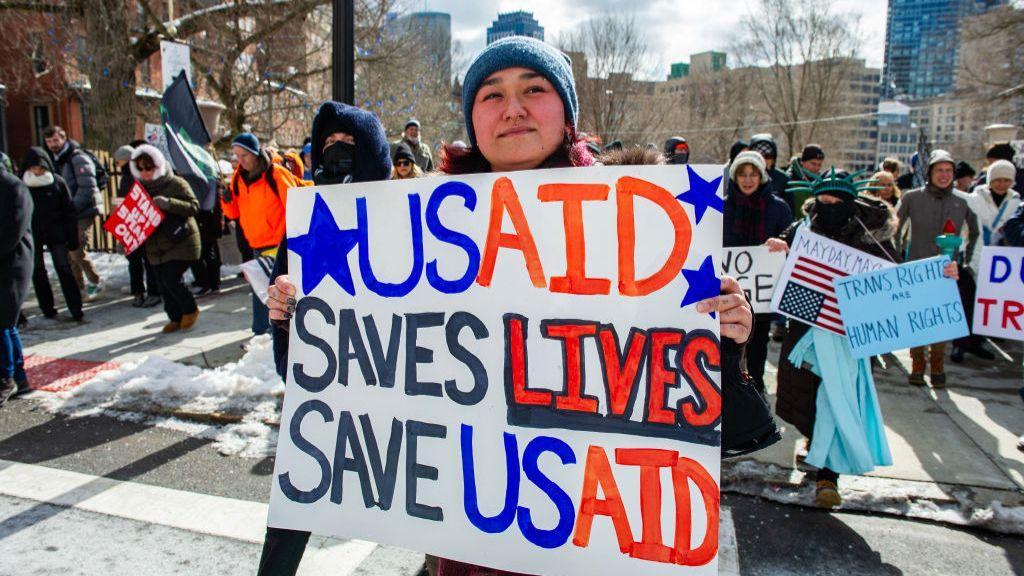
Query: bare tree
{"x": 609, "y": 52}
{"x": 798, "y": 53}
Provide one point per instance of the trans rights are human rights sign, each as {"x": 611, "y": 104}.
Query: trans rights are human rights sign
{"x": 509, "y": 369}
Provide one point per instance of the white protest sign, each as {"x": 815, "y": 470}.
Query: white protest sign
{"x": 257, "y": 274}
{"x": 508, "y": 369}
{"x": 757, "y": 270}
{"x": 999, "y": 304}
{"x": 155, "y": 135}
{"x": 174, "y": 58}
{"x": 806, "y": 291}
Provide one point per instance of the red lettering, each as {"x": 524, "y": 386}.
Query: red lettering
{"x": 985, "y": 303}
{"x": 621, "y": 373}
{"x": 515, "y": 359}
{"x": 651, "y": 461}
{"x": 572, "y": 197}
{"x": 625, "y": 189}
{"x": 695, "y": 348}
{"x": 687, "y": 470}
{"x": 598, "y": 472}
{"x": 504, "y": 199}
{"x": 660, "y": 376}
{"x": 572, "y": 355}
{"x": 1011, "y": 310}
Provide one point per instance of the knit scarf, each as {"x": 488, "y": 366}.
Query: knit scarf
{"x": 749, "y": 216}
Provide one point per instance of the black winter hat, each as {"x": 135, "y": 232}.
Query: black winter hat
{"x": 402, "y": 151}
{"x": 812, "y": 152}
{"x": 737, "y": 147}
{"x": 963, "y": 170}
{"x": 1001, "y": 152}
{"x": 764, "y": 145}
{"x": 36, "y": 156}
{"x": 373, "y": 155}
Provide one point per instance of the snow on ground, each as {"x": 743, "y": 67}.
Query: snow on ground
{"x": 923, "y": 500}
{"x": 152, "y": 388}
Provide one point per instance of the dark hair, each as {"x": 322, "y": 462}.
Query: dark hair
{"x": 145, "y": 159}
{"x": 51, "y": 131}
{"x": 572, "y": 153}
{"x": 890, "y": 164}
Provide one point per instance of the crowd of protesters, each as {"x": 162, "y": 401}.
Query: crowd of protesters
{"x": 526, "y": 86}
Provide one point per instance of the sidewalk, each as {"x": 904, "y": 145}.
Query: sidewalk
{"x": 954, "y": 450}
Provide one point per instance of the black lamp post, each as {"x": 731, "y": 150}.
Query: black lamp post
{"x": 343, "y": 51}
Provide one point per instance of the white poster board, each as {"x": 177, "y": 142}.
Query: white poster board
{"x": 155, "y": 135}
{"x": 999, "y": 304}
{"x": 757, "y": 270}
{"x": 175, "y": 57}
{"x": 508, "y": 369}
{"x": 806, "y": 290}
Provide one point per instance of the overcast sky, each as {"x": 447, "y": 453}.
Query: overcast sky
{"x": 677, "y": 28}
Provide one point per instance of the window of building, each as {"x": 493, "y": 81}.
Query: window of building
{"x": 40, "y": 121}
{"x": 39, "y": 64}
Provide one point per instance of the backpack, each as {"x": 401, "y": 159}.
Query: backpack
{"x": 102, "y": 176}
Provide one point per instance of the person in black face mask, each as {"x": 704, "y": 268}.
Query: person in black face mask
{"x": 677, "y": 150}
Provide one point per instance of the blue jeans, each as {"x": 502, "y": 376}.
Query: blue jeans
{"x": 260, "y": 316}
{"x": 12, "y": 360}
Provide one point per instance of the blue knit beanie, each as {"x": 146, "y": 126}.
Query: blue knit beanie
{"x": 247, "y": 142}
{"x": 524, "y": 52}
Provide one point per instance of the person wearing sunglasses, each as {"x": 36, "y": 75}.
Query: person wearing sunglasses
{"x": 405, "y": 164}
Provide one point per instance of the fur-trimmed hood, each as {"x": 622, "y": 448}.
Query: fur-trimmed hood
{"x": 631, "y": 156}
{"x": 158, "y": 160}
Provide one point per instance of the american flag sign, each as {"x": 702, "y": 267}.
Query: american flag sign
{"x": 806, "y": 292}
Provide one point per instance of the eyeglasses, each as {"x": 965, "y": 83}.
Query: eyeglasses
{"x": 144, "y": 168}
{"x": 403, "y": 163}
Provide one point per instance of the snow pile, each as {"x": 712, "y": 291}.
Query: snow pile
{"x": 153, "y": 389}
{"x": 923, "y": 500}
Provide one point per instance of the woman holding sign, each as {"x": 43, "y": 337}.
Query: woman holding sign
{"x": 845, "y": 425}
{"x": 754, "y": 215}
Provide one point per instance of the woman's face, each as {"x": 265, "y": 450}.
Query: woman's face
{"x": 518, "y": 119}
{"x": 37, "y": 170}
{"x": 403, "y": 167}
{"x": 748, "y": 178}
{"x": 886, "y": 185}
{"x": 1000, "y": 185}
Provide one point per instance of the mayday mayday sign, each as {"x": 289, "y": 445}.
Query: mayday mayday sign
{"x": 508, "y": 369}
{"x": 806, "y": 290}
{"x": 999, "y": 305}
{"x": 135, "y": 219}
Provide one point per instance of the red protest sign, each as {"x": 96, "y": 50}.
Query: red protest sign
{"x": 135, "y": 219}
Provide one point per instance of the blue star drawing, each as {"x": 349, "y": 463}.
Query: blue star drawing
{"x": 702, "y": 194}
{"x": 702, "y": 284}
{"x": 324, "y": 250}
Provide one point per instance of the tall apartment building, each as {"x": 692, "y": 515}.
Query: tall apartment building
{"x": 518, "y": 23}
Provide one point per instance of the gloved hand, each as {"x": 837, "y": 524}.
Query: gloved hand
{"x": 162, "y": 202}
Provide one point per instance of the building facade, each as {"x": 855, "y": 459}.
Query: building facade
{"x": 518, "y": 23}
{"x": 922, "y": 41}
{"x": 898, "y": 136}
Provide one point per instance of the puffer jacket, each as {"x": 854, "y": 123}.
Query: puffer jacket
{"x": 798, "y": 387}
{"x": 16, "y": 247}
{"x": 777, "y": 216}
{"x": 926, "y": 211}
{"x": 161, "y": 247}
{"x": 54, "y": 219}
{"x": 79, "y": 173}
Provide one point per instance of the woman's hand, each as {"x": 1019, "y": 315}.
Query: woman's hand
{"x": 776, "y": 245}
{"x": 951, "y": 270}
{"x": 281, "y": 298}
{"x": 162, "y": 202}
{"x": 735, "y": 316}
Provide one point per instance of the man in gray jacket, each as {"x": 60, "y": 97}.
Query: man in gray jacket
{"x": 79, "y": 172}
{"x": 927, "y": 210}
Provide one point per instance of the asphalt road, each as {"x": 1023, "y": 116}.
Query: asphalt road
{"x": 773, "y": 539}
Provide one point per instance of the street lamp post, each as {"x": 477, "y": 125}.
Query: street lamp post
{"x": 343, "y": 51}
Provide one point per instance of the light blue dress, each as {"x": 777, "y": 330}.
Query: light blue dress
{"x": 849, "y": 434}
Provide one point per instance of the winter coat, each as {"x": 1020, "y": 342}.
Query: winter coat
{"x": 424, "y": 159}
{"x": 126, "y": 182}
{"x": 1013, "y": 230}
{"x": 54, "y": 219}
{"x": 776, "y": 217}
{"x": 16, "y": 248}
{"x": 259, "y": 206}
{"x": 989, "y": 217}
{"x": 926, "y": 210}
{"x": 79, "y": 173}
{"x": 161, "y": 247}
{"x": 780, "y": 181}
{"x": 798, "y": 387}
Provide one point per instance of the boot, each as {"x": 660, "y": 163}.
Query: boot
{"x": 171, "y": 326}
{"x": 189, "y": 320}
{"x": 917, "y": 367}
{"x": 23, "y": 387}
{"x": 826, "y": 494}
{"x": 8, "y": 387}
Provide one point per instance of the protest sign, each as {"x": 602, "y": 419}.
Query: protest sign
{"x": 508, "y": 369}
{"x": 257, "y": 274}
{"x": 134, "y": 219}
{"x": 757, "y": 270}
{"x": 805, "y": 290}
{"x": 896, "y": 308}
{"x": 999, "y": 304}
